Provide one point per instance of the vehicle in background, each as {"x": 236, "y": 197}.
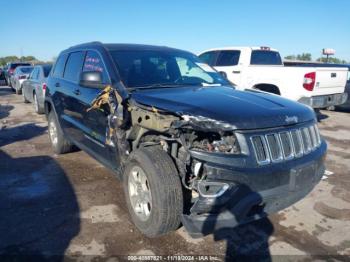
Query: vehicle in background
{"x": 187, "y": 145}
{"x": 33, "y": 89}
{"x": 262, "y": 68}
{"x": 20, "y": 74}
{"x": 346, "y": 105}
{"x": 2, "y": 73}
{"x": 10, "y": 70}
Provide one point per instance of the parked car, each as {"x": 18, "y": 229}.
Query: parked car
{"x": 187, "y": 145}
{"x": 34, "y": 87}
{"x": 1, "y": 73}
{"x": 346, "y": 105}
{"x": 10, "y": 70}
{"x": 262, "y": 68}
{"x": 20, "y": 74}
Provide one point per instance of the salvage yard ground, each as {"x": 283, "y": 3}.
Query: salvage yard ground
{"x": 71, "y": 205}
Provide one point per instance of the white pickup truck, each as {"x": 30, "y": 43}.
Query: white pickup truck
{"x": 262, "y": 68}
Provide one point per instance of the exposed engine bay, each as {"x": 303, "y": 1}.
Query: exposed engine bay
{"x": 132, "y": 125}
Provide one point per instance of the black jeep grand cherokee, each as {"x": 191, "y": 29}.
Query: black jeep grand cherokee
{"x": 188, "y": 147}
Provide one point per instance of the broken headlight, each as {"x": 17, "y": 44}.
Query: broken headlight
{"x": 227, "y": 144}
{"x": 214, "y": 142}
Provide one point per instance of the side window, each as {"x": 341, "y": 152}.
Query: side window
{"x": 228, "y": 58}
{"x": 74, "y": 66}
{"x": 209, "y": 57}
{"x": 93, "y": 62}
{"x": 39, "y": 73}
{"x": 34, "y": 73}
{"x": 59, "y": 66}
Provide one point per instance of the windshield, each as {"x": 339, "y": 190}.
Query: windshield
{"x": 159, "y": 68}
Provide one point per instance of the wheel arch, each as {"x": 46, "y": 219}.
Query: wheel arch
{"x": 270, "y": 88}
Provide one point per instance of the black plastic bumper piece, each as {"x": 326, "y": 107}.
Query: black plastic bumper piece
{"x": 244, "y": 205}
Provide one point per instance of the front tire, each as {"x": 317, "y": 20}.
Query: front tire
{"x": 153, "y": 191}
{"x": 59, "y": 143}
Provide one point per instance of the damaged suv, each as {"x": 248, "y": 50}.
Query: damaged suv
{"x": 188, "y": 147}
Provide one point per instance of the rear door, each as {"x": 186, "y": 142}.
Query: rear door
{"x": 35, "y": 82}
{"x": 28, "y": 86}
{"x": 72, "y": 115}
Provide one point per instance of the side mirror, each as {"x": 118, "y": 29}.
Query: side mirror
{"x": 91, "y": 79}
{"x": 223, "y": 74}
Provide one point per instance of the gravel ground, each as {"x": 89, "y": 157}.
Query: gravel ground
{"x": 71, "y": 205}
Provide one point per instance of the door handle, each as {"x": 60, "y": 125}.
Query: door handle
{"x": 57, "y": 84}
{"x": 236, "y": 72}
{"x": 76, "y": 92}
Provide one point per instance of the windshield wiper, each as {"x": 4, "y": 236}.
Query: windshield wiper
{"x": 164, "y": 85}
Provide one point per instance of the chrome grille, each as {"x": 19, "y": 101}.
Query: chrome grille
{"x": 297, "y": 143}
{"x": 260, "y": 149}
{"x": 275, "y": 147}
{"x": 285, "y": 145}
{"x": 306, "y": 140}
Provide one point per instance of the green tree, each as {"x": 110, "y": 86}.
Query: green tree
{"x": 290, "y": 57}
{"x": 10, "y": 59}
{"x": 302, "y": 57}
{"x": 333, "y": 60}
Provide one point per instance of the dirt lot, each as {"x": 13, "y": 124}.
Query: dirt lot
{"x": 71, "y": 205}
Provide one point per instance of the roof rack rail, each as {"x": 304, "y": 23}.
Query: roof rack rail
{"x": 87, "y": 44}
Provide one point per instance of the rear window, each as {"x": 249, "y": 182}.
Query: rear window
{"x": 13, "y": 66}
{"x": 264, "y": 57}
{"x": 47, "y": 69}
{"x": 74, "y": 66}
{"x": 59, "y": 66}
{"x": 26, "y": 70}
{"x": 228, "y": 58}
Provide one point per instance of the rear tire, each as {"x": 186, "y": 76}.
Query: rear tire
{"x": 25, "y": 100}
{"x": 37, "y": 107}
{"x": 59, "y": 143}
{"x": 165, "y": 202}
{"x": 18, "y": 91}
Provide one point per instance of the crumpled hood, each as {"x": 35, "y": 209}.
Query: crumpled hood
{"x": 242, "y": 109}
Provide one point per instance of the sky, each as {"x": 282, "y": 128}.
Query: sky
{"x": 43, "y": 28}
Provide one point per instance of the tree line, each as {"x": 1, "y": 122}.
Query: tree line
{"x": 308, "y": 57}
{"x": 9, "y": 59}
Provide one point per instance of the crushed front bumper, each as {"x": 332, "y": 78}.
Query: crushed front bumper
{"x": 253, "y": 193}
{"x": 324, "y": 100}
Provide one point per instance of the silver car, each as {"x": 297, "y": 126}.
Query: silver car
{"x": 20, "y": 74}
{"x": 34, "y": 87}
